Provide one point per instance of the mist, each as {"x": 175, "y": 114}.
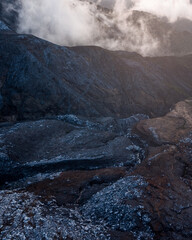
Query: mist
{"x": 172, "y": 9}
{"x": 75, "y": 22}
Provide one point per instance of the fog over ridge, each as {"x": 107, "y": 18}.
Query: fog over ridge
{"x": 75, "y": 22}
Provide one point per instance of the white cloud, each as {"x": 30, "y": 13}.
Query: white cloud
{"x": 172, "y": 9}
{"x": 75, "y": 22}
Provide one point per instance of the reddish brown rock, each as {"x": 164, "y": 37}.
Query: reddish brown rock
{"x": 168, "y": 171}
{"x": 176, "y": 125}
{"x": 168, "y": 195}
{"x": 75, "y": 187}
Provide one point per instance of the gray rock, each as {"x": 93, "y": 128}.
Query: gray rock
{"x": 119, "y": 205}
{"x": 42, "y": 79}
{"x": 70, "y": 142}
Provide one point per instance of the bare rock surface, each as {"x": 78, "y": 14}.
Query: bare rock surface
{"x": 86, "y": 150}
{"x": 23, "y": 216}
{"x": 151, "y": 200}
{"x": 156, "y": 196}
{"x": 68, "y": 142}
{"x": 74, "y": 188}
{"x": 41, "y": 79}
{"x": 112, "y": 205}
{"x": 169, "y": 129}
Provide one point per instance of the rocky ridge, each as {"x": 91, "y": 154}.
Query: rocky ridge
{"x": 40, "y": 79}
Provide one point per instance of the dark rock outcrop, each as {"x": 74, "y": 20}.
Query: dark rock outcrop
{"x": 8, "y": 14}
{"x": 68, "y": 142}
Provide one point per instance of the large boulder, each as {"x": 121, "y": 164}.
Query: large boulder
{"x": 171, "y": 128}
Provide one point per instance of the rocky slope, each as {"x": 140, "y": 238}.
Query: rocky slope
{"x": 148, "y": 198}
{"x": 67, "y": 142}
{"x": 41, "y": 79}
{"x": 87, "y": 148}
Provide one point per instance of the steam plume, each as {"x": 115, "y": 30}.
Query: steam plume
{"x": 172, "y": 9}
{"x": 75, "y": 22}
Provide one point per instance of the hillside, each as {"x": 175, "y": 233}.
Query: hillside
{"x": 95, "y": 144}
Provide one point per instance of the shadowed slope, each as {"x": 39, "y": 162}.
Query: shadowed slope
{"x": 41, "y": 79}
